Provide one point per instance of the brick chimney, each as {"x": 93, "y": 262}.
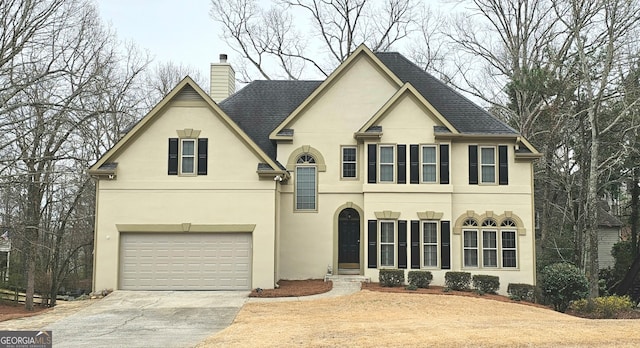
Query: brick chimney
{"x": 223, "y": 79}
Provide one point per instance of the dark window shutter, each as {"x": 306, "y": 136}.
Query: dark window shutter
{"x": 202, "y": 155}
{"x": 402, "y": 244}
{"x": 503, "y": 165}
{"x": 444, "y": 163}
{"x": 372, "y": 244}
{"x": 414, "y": 164}
{"x": 445, "y": 244}
{"x": 402, "y": 164}
{"x": 473, "y": 164}
{"x": 415, "y": 244}
{"x": 173, "y": 156}
{"x": 371, "y": 165}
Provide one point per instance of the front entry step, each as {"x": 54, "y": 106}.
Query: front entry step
{"x": 347, "y": 278}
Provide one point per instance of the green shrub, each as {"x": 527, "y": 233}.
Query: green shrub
{"x": 411, "y": 287}
{"x": 421, "y": 279}
{"x": 391, "y": 277}
{"x": 486, "y": 284}
{"x": 457, "y": 280}
{"x": 562, "y": 283}
{"x": 603, "y": 307}
{"x": 521, "y": 292}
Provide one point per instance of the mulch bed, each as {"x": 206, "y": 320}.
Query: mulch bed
{"x": 294, "y": 288}
{"x": 12, "y": 310}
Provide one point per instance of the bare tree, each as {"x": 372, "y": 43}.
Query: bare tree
{"x": 67, "y": 78}
{"x": 554, "y": 71}
{"x": 160, "y": 80}
{"x": 271, "y": 37}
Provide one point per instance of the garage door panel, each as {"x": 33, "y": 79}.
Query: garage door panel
{"x": 185, "y": 261}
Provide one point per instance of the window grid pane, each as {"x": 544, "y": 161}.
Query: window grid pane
{"x": 305, "y": 188}
{"x": 429, "y": 164}
{"x": 386, "y": 163}
{"x": 349, "y": 162}
{"x": 489, "y": 249}
{"x": 430, "y": 244}
{"x": 387, "y": 244}
{"x": 470, "y": 248}
{"x": 188, "y": 156}
{"x": 488, "y": 165}
{"x": 509, "y": 255}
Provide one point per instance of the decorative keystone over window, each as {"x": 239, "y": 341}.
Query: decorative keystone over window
{"x": 387, "y": 215}
{"x": 430, "y": 215}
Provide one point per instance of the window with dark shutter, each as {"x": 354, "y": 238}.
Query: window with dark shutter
{"x": 402, "y": 244}
{"x": 372, "y": 245}
{"x": 371, "y": 164}
{"x": 414, "y": 164}
{"x": 173, "y": 156}
{"x": 473, "y": 164}
{"x": 415, "y": 244}
{"x": 445, "y": 244}
{"x": 503, "y": 165}
{"x": 202, "y": 156}
{"x": 402, "y": 164}
{"x": 444, "y": 163}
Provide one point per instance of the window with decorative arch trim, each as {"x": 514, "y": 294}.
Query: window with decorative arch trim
{"x": 489, "y": 245}
{"x": 306, "y": 193}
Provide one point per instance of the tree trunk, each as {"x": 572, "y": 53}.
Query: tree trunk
{"x": 635, "y": 209}
{"x": 591, "y": 217}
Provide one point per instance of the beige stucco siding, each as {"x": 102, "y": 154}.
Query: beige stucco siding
{"x": 143, "y": 194}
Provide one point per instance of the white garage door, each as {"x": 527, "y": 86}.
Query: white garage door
{"x": 185, "y": 261}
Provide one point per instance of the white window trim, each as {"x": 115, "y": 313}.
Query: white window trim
{"x": 436, "y": 164}
{"x": 394, "y": 244}
{"x": 515, "y": 248}
{"x": 481, "y": 166}
{"x": 423, "y": 244}
{"x": 486, "y": 248}
{"x": 342, "y": 162}
{"x": 392, "y": 164}
{"x": 477, "y": 248}
{"x": 181, "y": 156}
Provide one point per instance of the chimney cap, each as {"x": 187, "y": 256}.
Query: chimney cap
{"x": 223, "y": 58}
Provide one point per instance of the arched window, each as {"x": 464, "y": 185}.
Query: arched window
{"x": 306, "y": 183}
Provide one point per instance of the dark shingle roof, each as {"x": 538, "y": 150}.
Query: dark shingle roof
{"x": 464, "y": 115}
{"x": 261, "y": 106}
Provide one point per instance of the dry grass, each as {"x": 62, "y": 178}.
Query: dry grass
{"x": 378, "y": 319}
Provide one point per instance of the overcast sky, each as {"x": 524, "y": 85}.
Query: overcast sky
{"x": 171, "y": 30}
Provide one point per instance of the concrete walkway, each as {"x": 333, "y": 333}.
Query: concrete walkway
{"x": 340, "y": 288}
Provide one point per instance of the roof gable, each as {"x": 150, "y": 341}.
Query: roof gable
{"x": 362, "y": 50}
{"x": 187, "y": 89}
{"x": 406, "y": 90}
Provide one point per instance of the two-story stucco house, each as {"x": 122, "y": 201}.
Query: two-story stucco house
{"x": 378, "y": 166}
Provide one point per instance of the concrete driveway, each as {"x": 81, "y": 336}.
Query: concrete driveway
{"x": 149, "y": 319}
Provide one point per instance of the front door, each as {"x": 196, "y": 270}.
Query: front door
{"x": 349, "y": 239}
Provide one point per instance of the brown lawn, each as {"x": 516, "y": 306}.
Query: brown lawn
{"x": 383, "y": 319}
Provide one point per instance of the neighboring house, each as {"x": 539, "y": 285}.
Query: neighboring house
{"x": 609, "y": 233}
{"x": 380, "y": 166}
